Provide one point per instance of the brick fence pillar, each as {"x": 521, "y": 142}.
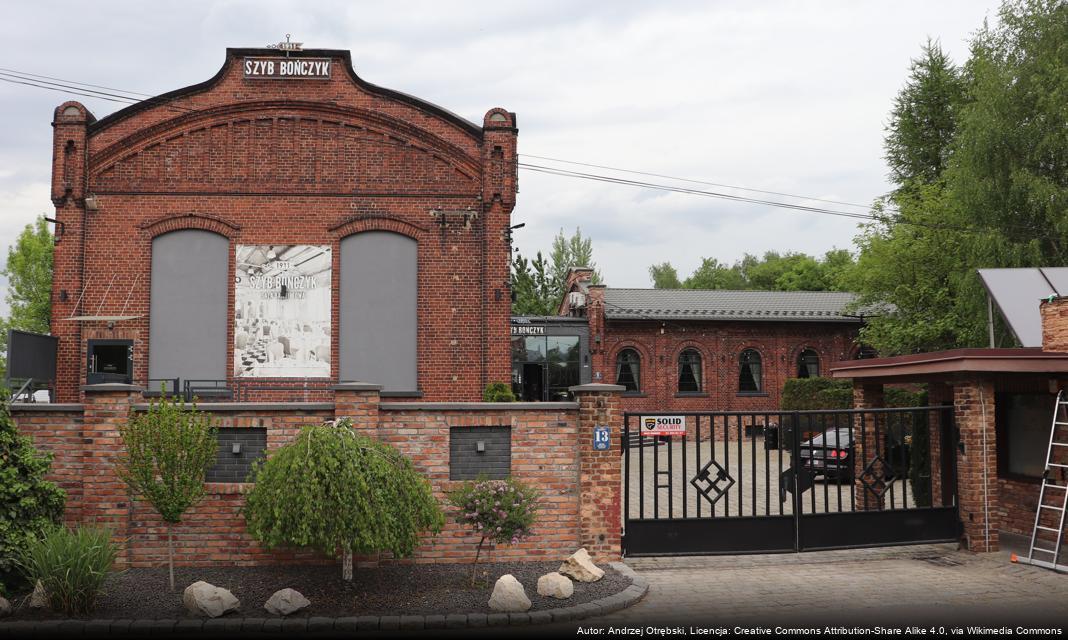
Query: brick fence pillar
{"x": 358, "y": 401}
{"x": 600, "y": 472}
{"x": 938, "y": 394}
{"x": 977, "y": 483}
{"x": 105, "y": 501}
{"x": 867, "y": 395}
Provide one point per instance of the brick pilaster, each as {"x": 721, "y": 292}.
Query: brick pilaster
{"x": 105, "y": 500}
{"x": 358, "y": 401}
{"x": 600, "y": 472}
{"x": 867, "y": 395}
{"x": 977, "y": 483}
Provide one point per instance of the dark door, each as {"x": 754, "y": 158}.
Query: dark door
{"x": 533, "y": 382}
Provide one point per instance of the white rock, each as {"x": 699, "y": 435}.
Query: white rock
{"x": 5, "y": 607}
{"x": 39, "y": 597}
{"x": 509, "y": 595}
{"x": 580, "y": 567}
{"x": 555, "y": 585}
{"x": 286, "y": 602}
{"x": 204, "y": 599}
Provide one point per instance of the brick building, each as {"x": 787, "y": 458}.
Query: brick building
{"x": 280, "y": 227}
{"x": 687, "y": 350}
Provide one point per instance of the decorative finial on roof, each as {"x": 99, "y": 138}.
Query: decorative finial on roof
{"x": 287, "y": 46}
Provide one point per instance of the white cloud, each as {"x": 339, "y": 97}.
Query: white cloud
{"x": 782, "y": 96}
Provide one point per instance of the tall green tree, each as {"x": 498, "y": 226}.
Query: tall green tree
{"x": 538, "y": 285}
{"x": 664, "y": 276}
{"x": 29, "y": 292}
{"x": 995, "y": 195}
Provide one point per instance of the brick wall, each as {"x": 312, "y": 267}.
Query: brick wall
{"x": 288, "y": 162}
{"x": 977, "y": 483}
{"x": 547, "y": 452}
{"x": 1054, "y": 324}
{"x": 720, "y": 345}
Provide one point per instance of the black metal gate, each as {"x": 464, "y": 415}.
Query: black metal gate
{"x": 789, "y": 481}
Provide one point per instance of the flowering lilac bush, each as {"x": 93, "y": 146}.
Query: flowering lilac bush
{"x": 501, "y": 511}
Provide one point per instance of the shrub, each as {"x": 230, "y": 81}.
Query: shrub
{"x": 501, "y": 511}
{"x": 72, "y": 565}
{"x": 498, "y": 392}
{"x": 29, "y": 504}
{"x": 167, "y": 452}
{"x": 333, "y": 489}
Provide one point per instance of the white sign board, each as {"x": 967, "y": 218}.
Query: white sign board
{"x": 663, "y": 425}
{"x": 282, "y": 311}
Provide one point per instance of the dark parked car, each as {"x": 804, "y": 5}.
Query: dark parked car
{"x": 829, "y": 454}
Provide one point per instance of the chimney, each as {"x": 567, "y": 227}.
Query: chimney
{"x": 1054, "y": 313}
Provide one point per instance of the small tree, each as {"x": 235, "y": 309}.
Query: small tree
{"x": 29, "y": 504}
{"x": 333, "y": 489}
{"x": 501, "y": 511}
{"x": 498, "y": 392}
{"x": 167, "y": 452}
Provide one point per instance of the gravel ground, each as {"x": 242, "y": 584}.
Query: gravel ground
{"x": 392, "y": 590}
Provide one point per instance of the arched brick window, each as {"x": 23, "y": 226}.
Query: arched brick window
{"x": 689, "y": 371}
{"x": 751, "y": 372}
{"x": 808, "y": 364}
{"x": 628, "y": 369}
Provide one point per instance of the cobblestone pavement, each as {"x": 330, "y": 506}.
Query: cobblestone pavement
{"x": 929, "y": 584}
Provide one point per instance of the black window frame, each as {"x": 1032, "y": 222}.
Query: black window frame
{"x": 746, "y": 364}
{"x": 690, "y": 358}
{"x": 803, "y": 367}
{"x": 635, "y": 385}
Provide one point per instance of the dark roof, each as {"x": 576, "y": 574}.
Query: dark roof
{"x": 953, "y": 361}
{"x": 691, "y": 304}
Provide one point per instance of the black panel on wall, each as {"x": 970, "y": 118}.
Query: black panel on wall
{"x": 493, "y": 462}
{"x": 235, "y": 467}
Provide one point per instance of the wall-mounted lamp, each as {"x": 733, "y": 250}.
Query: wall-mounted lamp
{"x": 92, "y": 203}
{"x": 480, "y": 446}
{"x": 236, "y": 449}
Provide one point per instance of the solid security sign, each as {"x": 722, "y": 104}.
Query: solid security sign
{"x": 663, "y": 426}
{"x": 601, "y": 439}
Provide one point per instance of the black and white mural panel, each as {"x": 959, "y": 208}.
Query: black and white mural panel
{"x": 282, "y": 311}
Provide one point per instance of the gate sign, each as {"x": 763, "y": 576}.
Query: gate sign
{"x": 601, "y": 439}
{"x": 663, "y": 426}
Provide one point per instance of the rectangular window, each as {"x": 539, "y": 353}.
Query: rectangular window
{"x": 1023, "y": 425}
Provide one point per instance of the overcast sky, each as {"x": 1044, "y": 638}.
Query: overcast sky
{"x": 779, "y": 96}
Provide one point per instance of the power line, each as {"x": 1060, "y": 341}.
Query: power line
{"x": 84, "y": 84}
{"x": 705, "y": 182}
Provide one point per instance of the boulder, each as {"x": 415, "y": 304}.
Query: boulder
{"x": 39, "y": 597}
{"x": 555, "y": 585}
{"x": 580, "y": 567}
{"x": 203, "y": 599}
{"x": 5, "y": 607}
{"x": 508, "y": 595}
{"x": 286, "y": 602}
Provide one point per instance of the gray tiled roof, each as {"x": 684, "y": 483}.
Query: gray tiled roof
{"x": 690, "y": 304}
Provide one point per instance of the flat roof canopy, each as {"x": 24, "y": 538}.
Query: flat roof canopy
{"x": 952, "y": 362}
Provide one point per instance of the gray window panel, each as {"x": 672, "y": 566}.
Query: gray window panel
{"x": 379, "y": 293}
{"x": 187, "y": 323}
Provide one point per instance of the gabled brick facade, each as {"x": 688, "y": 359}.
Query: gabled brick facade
{"x": 287, "y": 161}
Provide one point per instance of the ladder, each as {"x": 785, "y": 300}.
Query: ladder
{"x": 1059, "y": 496}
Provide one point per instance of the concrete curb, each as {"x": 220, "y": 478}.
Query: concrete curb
{"x": 628, "y": 597}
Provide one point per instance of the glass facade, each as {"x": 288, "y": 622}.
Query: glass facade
{"x": 544, "y": 367}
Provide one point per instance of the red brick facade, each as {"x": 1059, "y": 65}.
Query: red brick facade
{"x": 720, "y": 344}
{"x": 551, "y": 450}
{"x": 297, "y": 161}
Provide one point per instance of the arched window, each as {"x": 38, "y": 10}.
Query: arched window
{"x": 750, "y": 375}
{"x": 379, "y": 310}
{"x": 628, "y": 369}
{"x": 808, "y": 364}
{"x": 689, "y": 371}
{"x": 187, "y": 308}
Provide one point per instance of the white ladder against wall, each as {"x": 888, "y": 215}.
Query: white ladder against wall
{"x": 1053, "y": 494}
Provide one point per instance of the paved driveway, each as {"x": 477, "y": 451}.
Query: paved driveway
{"x": 921, "y": 585}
